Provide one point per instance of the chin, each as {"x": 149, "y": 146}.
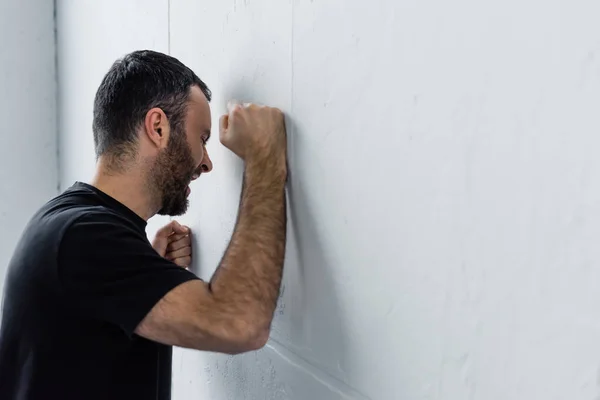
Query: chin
{"x": 175, "y": 209}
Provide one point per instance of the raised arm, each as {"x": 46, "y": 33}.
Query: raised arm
{"x": 233, "y": 312}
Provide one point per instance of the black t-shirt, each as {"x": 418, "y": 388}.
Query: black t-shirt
{"x": 82, "y": 277}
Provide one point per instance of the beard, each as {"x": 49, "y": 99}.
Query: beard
{"x": 171, "y": 174}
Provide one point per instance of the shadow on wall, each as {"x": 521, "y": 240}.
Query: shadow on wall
{"x": 307, "y": 351}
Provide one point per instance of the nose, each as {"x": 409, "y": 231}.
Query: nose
{"x": 207, "y": 164}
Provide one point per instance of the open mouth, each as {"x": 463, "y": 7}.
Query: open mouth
{"x": 195, "y": 176}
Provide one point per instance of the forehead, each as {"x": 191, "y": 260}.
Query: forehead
{"x": 198, "y": 112}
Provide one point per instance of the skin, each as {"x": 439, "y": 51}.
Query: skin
{"x": 231, "y": 313}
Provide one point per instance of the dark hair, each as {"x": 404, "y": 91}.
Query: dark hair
{"x": 139, "y": 81}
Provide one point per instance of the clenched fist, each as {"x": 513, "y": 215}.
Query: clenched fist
{"x": 173, "y": 242}
{"x": 255, "y": 133}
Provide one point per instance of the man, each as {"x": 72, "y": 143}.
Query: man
{"x": 91, "y": 308}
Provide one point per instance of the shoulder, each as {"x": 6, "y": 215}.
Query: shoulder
{"x": 99, "y": 242}
{"x": 52, "y": 222}
{"x": 100, "y": 228}
{"x": 90, "y": 219}
{"x": 81, "y": 211}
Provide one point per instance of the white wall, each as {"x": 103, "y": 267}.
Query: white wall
{"x": 28, "y": 160}
{"x": 444, "y": 194}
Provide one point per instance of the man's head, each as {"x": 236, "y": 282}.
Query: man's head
{"x": 151, "y": 112}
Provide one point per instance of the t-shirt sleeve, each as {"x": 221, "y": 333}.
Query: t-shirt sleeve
{"x": 109, "y": 271}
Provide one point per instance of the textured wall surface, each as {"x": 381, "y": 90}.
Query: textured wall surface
{"x": 28, "y": 160}
{"x": 444, "y": 195}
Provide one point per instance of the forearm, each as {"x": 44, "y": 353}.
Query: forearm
{"x": 247, "y": 282}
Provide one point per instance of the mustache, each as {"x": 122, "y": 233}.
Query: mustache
{"x": 195, "y": 174}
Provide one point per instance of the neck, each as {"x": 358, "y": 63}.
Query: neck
{"x": 128, "y": 187}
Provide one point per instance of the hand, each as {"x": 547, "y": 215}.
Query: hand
{"x": 255, "y": 133}
{"x": 173, "y": 242}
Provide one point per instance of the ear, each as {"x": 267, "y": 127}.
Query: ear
{"x": 156, "y": 127}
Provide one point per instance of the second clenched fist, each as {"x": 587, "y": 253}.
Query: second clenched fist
{"x": 254, "y": 132}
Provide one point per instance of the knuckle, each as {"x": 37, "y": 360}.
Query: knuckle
{"x": 236, "y": 111}
{"x": 277, "y": 113}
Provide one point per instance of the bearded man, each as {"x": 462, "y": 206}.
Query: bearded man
{"x": 91, "y": 307}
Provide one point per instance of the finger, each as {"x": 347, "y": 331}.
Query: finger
{"x": 181, "y": 233}
{"x": 165, "y": 230}
{"x": 234, "y": 108}
{"x": 184, "y": 262}
{"x": 178, "y": 228}
{"x": 223, "y": 123}
{"x": 170, "y": 228}
{"x": 182, "y": 252}
{"x": 178, "y": 244}
{"x": 231, "y": 104}
{"x": 177, "y": 236}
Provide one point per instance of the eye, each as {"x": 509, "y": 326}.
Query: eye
{"x": 204, "y": 140}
